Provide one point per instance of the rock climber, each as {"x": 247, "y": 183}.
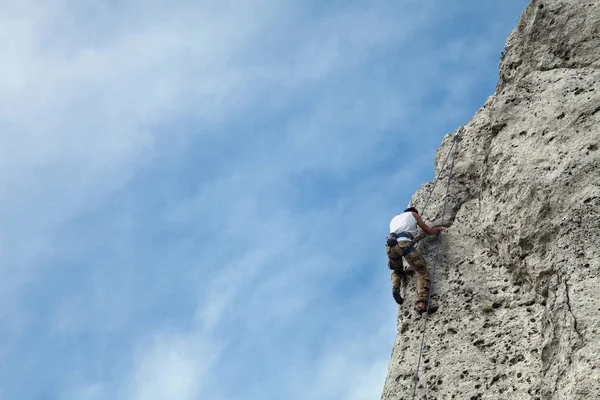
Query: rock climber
{"x": 403, "y": 231}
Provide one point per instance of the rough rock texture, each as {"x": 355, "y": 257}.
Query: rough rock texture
{"x": 518, "y": 277}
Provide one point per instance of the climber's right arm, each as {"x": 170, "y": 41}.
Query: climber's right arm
{"x": 427, "y": 229}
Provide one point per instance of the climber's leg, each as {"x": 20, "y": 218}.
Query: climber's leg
{"x": 398, "y": 278}
{"x": 417, "y": 262}
{"x": 397, "y": 282}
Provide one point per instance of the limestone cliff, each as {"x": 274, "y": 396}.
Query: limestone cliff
{"x": 518, "y": 277}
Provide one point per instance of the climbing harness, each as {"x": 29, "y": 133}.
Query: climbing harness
{"x": 454, "y": 141}
{"x": 406, "y": 235}
{"x": 392, "y": 240}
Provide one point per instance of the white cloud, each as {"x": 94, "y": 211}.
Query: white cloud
{"x": 172, "y": 367}
{"x": 89, "y": 94}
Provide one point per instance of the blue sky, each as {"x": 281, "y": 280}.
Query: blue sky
{"x": 194, "y": 194}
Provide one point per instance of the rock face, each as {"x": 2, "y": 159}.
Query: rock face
{"x": 518, "y": 275}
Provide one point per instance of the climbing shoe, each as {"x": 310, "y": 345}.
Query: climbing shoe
{"x": 397, "y": 297}
{"x": 422, "y": 307}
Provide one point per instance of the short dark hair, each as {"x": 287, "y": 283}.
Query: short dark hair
{"x": 411, "y": 209}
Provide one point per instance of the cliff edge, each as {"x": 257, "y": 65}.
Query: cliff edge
{"x": 518, "y": 275}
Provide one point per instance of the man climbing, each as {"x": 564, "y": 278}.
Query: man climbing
{"x": 403, "y": 230}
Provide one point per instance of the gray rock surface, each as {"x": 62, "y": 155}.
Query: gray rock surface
{"x": 518, "y": 275}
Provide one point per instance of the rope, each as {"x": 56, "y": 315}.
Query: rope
{"x": 437, "y": 178}
{"x": 460, "y": 130}
{"x": 437, "y": 251}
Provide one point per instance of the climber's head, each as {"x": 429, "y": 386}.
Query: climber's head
{"x": 411, "y": 209}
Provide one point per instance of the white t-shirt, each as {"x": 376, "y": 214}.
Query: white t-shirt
{"x": 404, "y": 222}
